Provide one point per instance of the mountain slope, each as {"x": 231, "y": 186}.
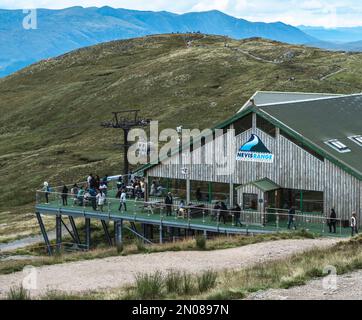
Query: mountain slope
{"x": 60, "y": 31}
{"x": 51, "y": 111}
{"x": 336, "y": 35}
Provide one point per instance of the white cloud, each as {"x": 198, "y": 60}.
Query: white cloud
{"x": 328, "y": 13}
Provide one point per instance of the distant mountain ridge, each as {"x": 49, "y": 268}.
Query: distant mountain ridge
{"x": 61, "y": 31}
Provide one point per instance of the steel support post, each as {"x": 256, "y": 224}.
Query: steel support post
{"x": 59, "y": 233}
{"x": 88, "y": 233}
{"x": 44, "y": 233}
{"x": 118, "y": 226}
{"x": 106, "y": 232}
{"x": 75, "y": 230}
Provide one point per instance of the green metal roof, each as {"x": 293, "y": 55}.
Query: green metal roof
{"x": 271, "y": 97}
{"x": 266, "y": 185}
{"x": 320, "y": 120}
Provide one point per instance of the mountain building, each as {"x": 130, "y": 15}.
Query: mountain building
{"x": 287, "y": 150}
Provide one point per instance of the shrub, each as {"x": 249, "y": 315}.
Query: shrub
{"x": 18, "y": 293}
{"x": 227, "y": 295}
{"x": 201, "y": 242}
{"x": 206, "y": 281}
{"x": 149, "y": 286}
{"x": 173, "y": 282}
{"x": 187, "y": 284}
{"x": 140, "y": 246}
{"x": 293, "y": 282}
{"x": 120, "y": 248}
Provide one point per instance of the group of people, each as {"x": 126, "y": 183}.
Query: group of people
{"x": 331, "y": 221}
{"x": 94, "y": 192}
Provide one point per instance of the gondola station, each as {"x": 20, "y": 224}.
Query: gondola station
{"x": 280, "y": 151}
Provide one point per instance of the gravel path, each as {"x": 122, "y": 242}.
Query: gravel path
{"x": 28, "y": 241}
{"x": 119, "y": 271}
{"x": 347, "y": 287}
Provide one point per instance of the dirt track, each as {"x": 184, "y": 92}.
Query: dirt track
{"x": 119, "y": 271}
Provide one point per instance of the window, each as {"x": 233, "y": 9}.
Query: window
{"x": 243, "y": 124}
{"x": 250, "y": 201}
{"x": 338, "y": 145}
{"x": 265, "y": 126}
{"x": 301, "y": 145}
{"x": 356, "y": 139}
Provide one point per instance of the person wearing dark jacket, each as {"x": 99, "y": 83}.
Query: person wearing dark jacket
{"x": 332, "y": 221}
{"x": 169, "y": 203}
{"x": 65, "y": 196}
{"x": 237, "y": 215}
{"x": 93, "y": 194}
{"x": 291, "y": 218}
{"x": 223, "y": 212}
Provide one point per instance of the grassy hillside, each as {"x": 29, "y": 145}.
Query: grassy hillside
{"x": 50, "y": 112}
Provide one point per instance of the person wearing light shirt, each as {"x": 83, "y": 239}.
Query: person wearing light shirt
{"x": 122, "y": 201}
{"x": 354, "y": 224}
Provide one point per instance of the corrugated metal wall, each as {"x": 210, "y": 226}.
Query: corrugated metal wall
{"x": 293, "y": 168}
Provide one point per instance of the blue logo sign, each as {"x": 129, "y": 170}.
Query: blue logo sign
{"x": 255, "y": 150}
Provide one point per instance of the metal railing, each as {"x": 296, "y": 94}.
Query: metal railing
{"x": 196, "y": 214}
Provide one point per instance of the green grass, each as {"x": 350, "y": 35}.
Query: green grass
{"x": 18, "y": 293}
{"x": 158, "y": 285}
{"x": 149, "y": 286}
{"x": 206, "y": 281}
{"x": 137, "y": 247}
{"x": 49, "y": 128}
{"x": 200, "y": 242}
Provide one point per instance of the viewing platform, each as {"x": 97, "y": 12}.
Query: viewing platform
{"x": 191, "y": 220}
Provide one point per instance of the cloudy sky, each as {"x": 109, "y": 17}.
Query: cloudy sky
{"x": 328, "y": 13}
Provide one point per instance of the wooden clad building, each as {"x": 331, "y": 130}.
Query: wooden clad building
{"x": 287, "y": 149}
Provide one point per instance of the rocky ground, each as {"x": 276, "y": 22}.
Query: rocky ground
{"x": 344, "y": 287}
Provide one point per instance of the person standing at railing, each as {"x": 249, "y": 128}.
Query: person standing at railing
{"x": 354, "y": 224}
{"x": 169, "y": 203}
{"x": 332, "y": 221}
{"x": 74, "y": 193}
{"x": 80, "y": 196}
{"x": 101, "y": 199}
{"x": 97, "y": 182}
{"x": 103, "y": 187}
{"x": 237, "y": 215}
{"x": 122, "y": 200}
{"x": 89, "y": 180}
{"x": 223, "y": 212}
{"x": 291, "y": 218}
{"x": 93, "y": 195}
{"x": 46, "y": 190}
{"x": 65, "y": 195}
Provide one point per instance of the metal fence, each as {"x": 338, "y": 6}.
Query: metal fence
{"x": 197, "y": 213}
